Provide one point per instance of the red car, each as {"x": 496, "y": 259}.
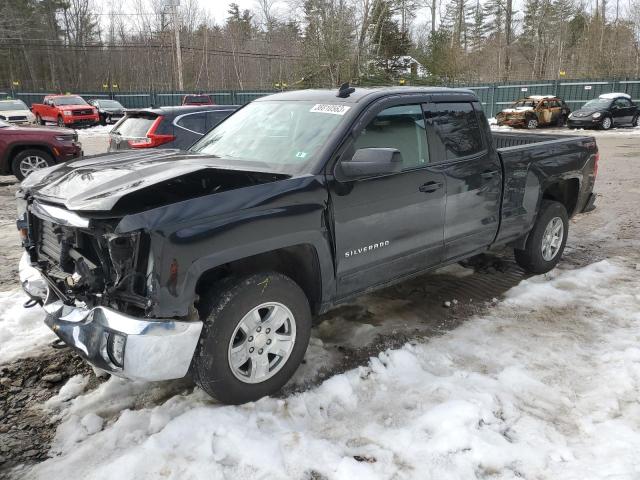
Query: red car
{"x": 197, "y": 100}
{"x": 65, "y": 111}
{"x": 26, "y": 149}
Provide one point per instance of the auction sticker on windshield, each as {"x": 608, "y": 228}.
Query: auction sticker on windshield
{"x": 326, "y": 108}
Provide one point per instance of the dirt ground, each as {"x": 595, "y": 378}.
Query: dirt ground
{"x": 426, "y": 306}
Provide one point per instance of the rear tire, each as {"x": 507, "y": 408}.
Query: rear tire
{"x": 544, "y": 246}
{"x": 239, "y": 358}
{"x": 28, "y": 161}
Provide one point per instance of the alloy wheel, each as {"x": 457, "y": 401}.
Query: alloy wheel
{"x": 30, "y": 164}
{"x": 262, "y": 342}
{"x": 552, "y": 238}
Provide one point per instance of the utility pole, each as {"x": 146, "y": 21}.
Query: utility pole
{"x": 173, "y": 4}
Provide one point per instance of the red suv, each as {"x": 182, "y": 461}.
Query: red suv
{"x": 197, "y": 100}
{"x": 26, "y": 149}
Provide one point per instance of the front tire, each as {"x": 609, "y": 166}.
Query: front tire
{"x": 28, "y": 161}
{"x": 255, "y": 334}
{"x": 636, "y": 121}
{"x": 39, "y": 120}
{"x": 606, "y": 124}
{"x": 546, "y": 240}
{"x": 532, "y": 123}
{"x": 61, "y": 122}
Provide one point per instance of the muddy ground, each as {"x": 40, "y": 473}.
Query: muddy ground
{"x": 426, "y": 306}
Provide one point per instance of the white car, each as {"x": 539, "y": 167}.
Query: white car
{"x": 16, "y": 111}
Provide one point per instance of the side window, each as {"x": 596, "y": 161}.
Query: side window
{"x": 401, "y": 128}
{"x": 215, "y": 117}
{"x": 622, "y": 103}
{"x": 195, "y": 122}
{"x": 455, "y": 125}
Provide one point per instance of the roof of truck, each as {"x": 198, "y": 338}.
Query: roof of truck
{"x": 361, "y": 93}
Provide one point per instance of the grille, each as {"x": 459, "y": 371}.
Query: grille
{"x": 82, "y": 112}
{"x": 17, "y": 119}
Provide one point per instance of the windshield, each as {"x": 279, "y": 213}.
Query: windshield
{"x": 13, "y": 105}
{"x": 109, "y": 104}
{"x": 524, "y": 103}
{"x": 281, "y": 136}
{"x": 70, "y": 100}
{"x": 598, "y": 103}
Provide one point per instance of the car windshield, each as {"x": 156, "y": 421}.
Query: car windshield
{"x": 598, "y": 103}
{"x": 109, "y": 104}
{"x": 279, "y": 136}
{"x": 70, "y": 100}
{"x": 524, "y": 103}
{"x": 13, "y": 105}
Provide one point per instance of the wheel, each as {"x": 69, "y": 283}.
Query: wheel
{"x": 546, "y": 240}
{"x": 39, "y": 120}
{"x": 606, "y": 123}
{"x": 60, "y": 122}
{"x": 636, "y": 121}
{"x": 255, "y": 334}
{"x": 28, "y": 161}
{"x": 532, "y": 123}
{"x": 103, "y": 120}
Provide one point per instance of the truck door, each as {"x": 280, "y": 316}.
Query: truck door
{"x": 458, "y": 133}
{"x": 391, "y": 225}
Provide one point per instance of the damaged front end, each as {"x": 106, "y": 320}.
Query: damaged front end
{"x": 95, "y": 287}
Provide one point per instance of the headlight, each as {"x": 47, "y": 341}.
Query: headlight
{"x": 67, "y": 113}
{"x": 571, "y": 115}
{"x": 64, "y": 138}
{"x": 596, "y": 115}
{"x": 2, "y": 117}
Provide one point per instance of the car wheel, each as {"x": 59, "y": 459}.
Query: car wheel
{"x": 562, "y": 121}
{"x": 546, "y": 240}
{"x": 103, "y": 120}
{"x": 606, "y": 123}
{"x": 636, "y": 121}
{"x": 532, "y": 123}
{"x": 60, "y": 122}
{"x": 255, "y": 334}
{"x": 28, "y": 161}
{"x": 39, "y": 120}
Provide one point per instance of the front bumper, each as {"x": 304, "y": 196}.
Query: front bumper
{"x": 584, "y": 122}
{"x": 126, "y": 346}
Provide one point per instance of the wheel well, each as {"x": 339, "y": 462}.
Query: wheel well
{"x": 21, "y": 148}
{"x": 299, "y": 262}
{"x": 565, "y": 192}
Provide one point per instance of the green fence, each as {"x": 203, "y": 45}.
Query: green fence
{"x": 494, "y": 96}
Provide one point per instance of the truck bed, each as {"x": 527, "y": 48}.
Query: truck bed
{"x": 527, "y": 160}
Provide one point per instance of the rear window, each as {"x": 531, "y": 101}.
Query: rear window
{"x": 456, "y": 127}
{"x": 135, "y": 126}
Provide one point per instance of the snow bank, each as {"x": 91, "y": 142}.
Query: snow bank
{"x": 22, "y": 332}
{"x": 545, "y": 386}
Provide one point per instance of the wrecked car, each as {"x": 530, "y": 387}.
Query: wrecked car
{"x": 535, "y": 111}
{"x": 158, "y": 264}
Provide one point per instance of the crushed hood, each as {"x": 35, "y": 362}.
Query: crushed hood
{"x": 98, "y": 183}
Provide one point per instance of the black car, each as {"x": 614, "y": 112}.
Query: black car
{"x": 110, "y": 111}
{"x": 606, "y": 111}
{"x": 169, "y": 127}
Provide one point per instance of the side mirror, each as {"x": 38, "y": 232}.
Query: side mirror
{"x": 367, "y": 162}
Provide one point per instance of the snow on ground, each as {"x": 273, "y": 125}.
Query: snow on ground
{"x": 575, "y": 131}
{"x": 544, "y": 386}
{"x": 22, "y": 332}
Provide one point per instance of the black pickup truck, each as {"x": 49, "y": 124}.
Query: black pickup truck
{"x": 212, "y": 262}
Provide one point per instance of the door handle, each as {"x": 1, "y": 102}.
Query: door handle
{"x": 430, "y": 187}
{"x": 488, "y": 173}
